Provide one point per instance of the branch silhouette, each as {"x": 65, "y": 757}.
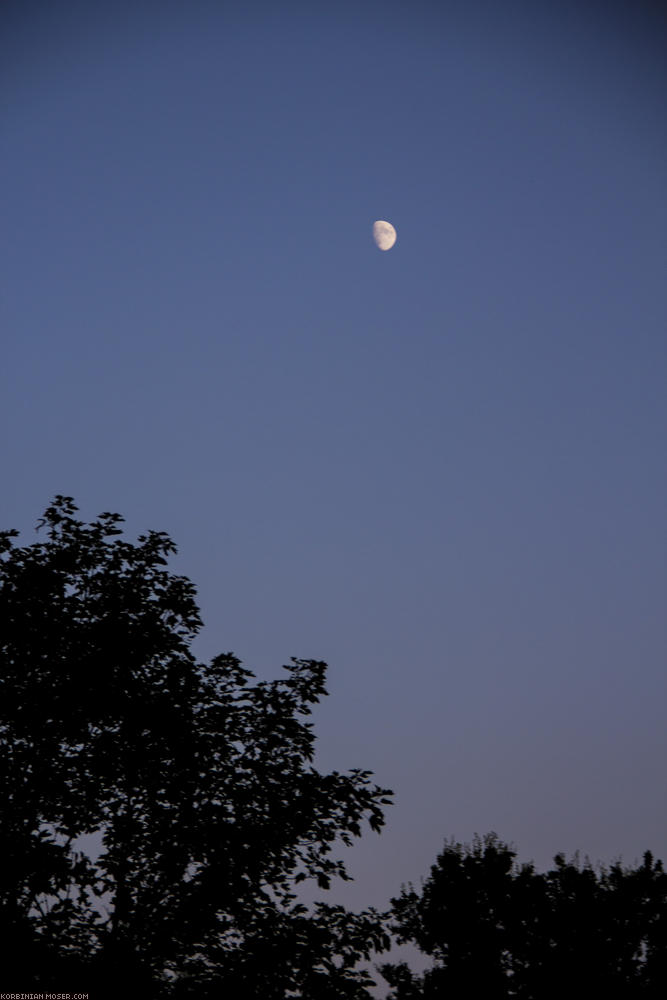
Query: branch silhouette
{"x": 196, "y": 780}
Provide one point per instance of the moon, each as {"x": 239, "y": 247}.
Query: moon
{"x": 384, "y": 235}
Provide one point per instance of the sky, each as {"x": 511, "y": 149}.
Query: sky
{"x": 440, "y": 468}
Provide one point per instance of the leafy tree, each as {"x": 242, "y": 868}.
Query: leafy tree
{"x": 496, "y": 929}
{"x": 197, "y": 779}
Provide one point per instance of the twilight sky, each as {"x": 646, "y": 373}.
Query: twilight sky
{"x": 439, "y": 468}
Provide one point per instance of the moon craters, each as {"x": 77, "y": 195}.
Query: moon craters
{"x": 384, "y": 235}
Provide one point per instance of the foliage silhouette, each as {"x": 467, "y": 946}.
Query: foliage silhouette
{"x": 497, "y": 930}
{"x": 197, "y": 779}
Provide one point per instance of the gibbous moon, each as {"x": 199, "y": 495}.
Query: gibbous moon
{"x": 384, "y": 235}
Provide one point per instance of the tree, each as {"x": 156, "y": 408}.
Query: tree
{"x": 197, "y": 779}
{"x": 496, "y": 929}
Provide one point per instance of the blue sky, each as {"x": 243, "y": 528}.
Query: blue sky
{"x": 439, "y": 468}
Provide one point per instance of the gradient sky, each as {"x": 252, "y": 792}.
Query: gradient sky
{"x": 440, "y": 468}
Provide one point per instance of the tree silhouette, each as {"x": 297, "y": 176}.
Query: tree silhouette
{"x": 499, "y": 930}
{"x": 196, "y": 778}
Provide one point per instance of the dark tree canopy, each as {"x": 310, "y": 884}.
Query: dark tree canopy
{"x": 498, "y": 930}
{"x": 197, "y": 779}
